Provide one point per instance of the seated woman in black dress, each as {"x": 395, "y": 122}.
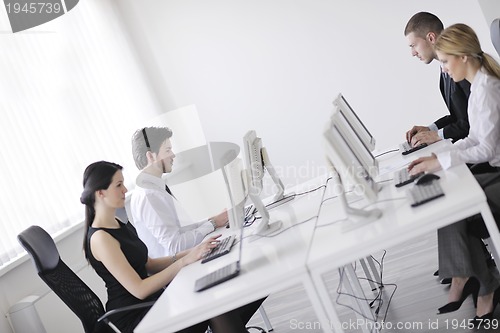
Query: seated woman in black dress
{"x": 121, "y": 259}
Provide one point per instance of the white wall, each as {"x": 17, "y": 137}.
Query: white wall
{"x": 491, "y": 9}
{"x": 275, "y": 66}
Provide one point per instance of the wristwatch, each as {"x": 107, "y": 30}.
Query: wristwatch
{"x": 213, "y": 223}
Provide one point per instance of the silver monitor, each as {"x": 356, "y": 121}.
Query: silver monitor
{"x": 363, "y": 154}
{"x": 366, "y": 137}
{"x": 257, "y": 161}
{"x": 253, "y": 157}
{"x": 347, "y": 165}
{"x": 238, "y": 183}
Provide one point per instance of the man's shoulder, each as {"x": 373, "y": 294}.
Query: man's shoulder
{"x": 144, "y": 192}
{"x": 464, "y": 86}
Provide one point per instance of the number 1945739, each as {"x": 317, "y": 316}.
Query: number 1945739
{"x": 33, "y": 8}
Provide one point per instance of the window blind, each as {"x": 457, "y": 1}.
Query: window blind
{"x": 71, "y": 93}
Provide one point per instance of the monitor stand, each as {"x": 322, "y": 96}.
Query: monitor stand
{"x": 280, "y": 197}
{"x": 368, "y": 213}
{"x": 265, "y": 226}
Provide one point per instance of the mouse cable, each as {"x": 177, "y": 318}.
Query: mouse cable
{"x": 386, "y": 152}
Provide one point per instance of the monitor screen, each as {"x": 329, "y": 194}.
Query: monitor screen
{"x": 366, "y": 137}
{"x": 341, "y": 154}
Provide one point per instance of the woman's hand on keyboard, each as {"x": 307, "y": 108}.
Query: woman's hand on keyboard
{"x": 197, "y": 252}
{"x": 424, "y": 164}
{"x": 220, "y": 219}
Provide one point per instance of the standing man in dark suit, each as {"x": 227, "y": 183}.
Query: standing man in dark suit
{"x": 421, "y": 32}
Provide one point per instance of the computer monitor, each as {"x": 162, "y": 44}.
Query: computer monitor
{"x": 257, "y": 161}
{"x": 346, "y": 164}
{"x": 361, "y": 151}
{"x": 253, "y": 156}
{"x": 366, "y": 137}
{"x": 232, "y": 170}
{"x": 237, "y": 181}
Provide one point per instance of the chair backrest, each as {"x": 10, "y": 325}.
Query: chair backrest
{"x": 61, "y": 279}
{"x": 495, "y": 34}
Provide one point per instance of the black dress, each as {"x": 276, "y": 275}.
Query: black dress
{"x": 136, "y": 253}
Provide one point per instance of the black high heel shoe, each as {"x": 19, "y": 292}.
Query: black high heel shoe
{"x": 485, "y": 320}
{"x": 470, "y": 287}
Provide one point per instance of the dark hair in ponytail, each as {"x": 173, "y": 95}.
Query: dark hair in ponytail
{"x": 97, "y": 176}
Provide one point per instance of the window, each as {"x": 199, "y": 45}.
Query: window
{"x": 72, "y": 93}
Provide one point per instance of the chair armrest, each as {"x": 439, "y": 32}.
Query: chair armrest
{"x": 105, "y": 316}
{"x": 479, "y": 168}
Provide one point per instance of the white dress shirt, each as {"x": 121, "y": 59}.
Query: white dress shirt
{"x": 440, "y": 131}
{"x": 155, "y": 215}
{"x": 482, "y": 143}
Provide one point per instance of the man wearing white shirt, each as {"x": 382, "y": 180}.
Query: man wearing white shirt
{"x": 155, "y": 212}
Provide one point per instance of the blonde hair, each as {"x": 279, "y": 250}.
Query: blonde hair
{"x": 460, "y": 40}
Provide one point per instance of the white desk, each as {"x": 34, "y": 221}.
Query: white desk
{"x": 268, "y": 265}
{"x": 390, "y": 162}
{"x": 338, "y": 244}
{"x": 304, "y": 253}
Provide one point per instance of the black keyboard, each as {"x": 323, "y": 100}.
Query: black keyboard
{"x": 402, "y": 177}
{"x": 221, "y": 249}
{"x": 216, "y": 277}
{"x": 420, "y": 194}
{"x": 412, "y": 149}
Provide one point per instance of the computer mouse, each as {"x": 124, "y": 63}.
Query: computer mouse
{"x": 426, "y": 178}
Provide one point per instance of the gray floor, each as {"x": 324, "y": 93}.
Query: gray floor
{"x": 413, "y": 306}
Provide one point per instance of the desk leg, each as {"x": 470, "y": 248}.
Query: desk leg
{"x": 493, "y": 230}
{"x": 355, "y": 289}
{"x": 318, "y": 294}
{"x": 375, "y": 272}
{"x": 265, "y": 319}
{"x": 368, "y": 274}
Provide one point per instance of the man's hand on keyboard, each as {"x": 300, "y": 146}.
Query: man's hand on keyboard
{"x": 424, "y": 164}
{"x": 220, "y": 219}
{"x": 424, "y": 137}
{"x": 414, "y": 130}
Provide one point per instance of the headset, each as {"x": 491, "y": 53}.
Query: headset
{"x": 146, "y": 139}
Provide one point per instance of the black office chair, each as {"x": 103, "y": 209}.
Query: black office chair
{"x": 66, "y": 284}
{"x": 495, "y": 40}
